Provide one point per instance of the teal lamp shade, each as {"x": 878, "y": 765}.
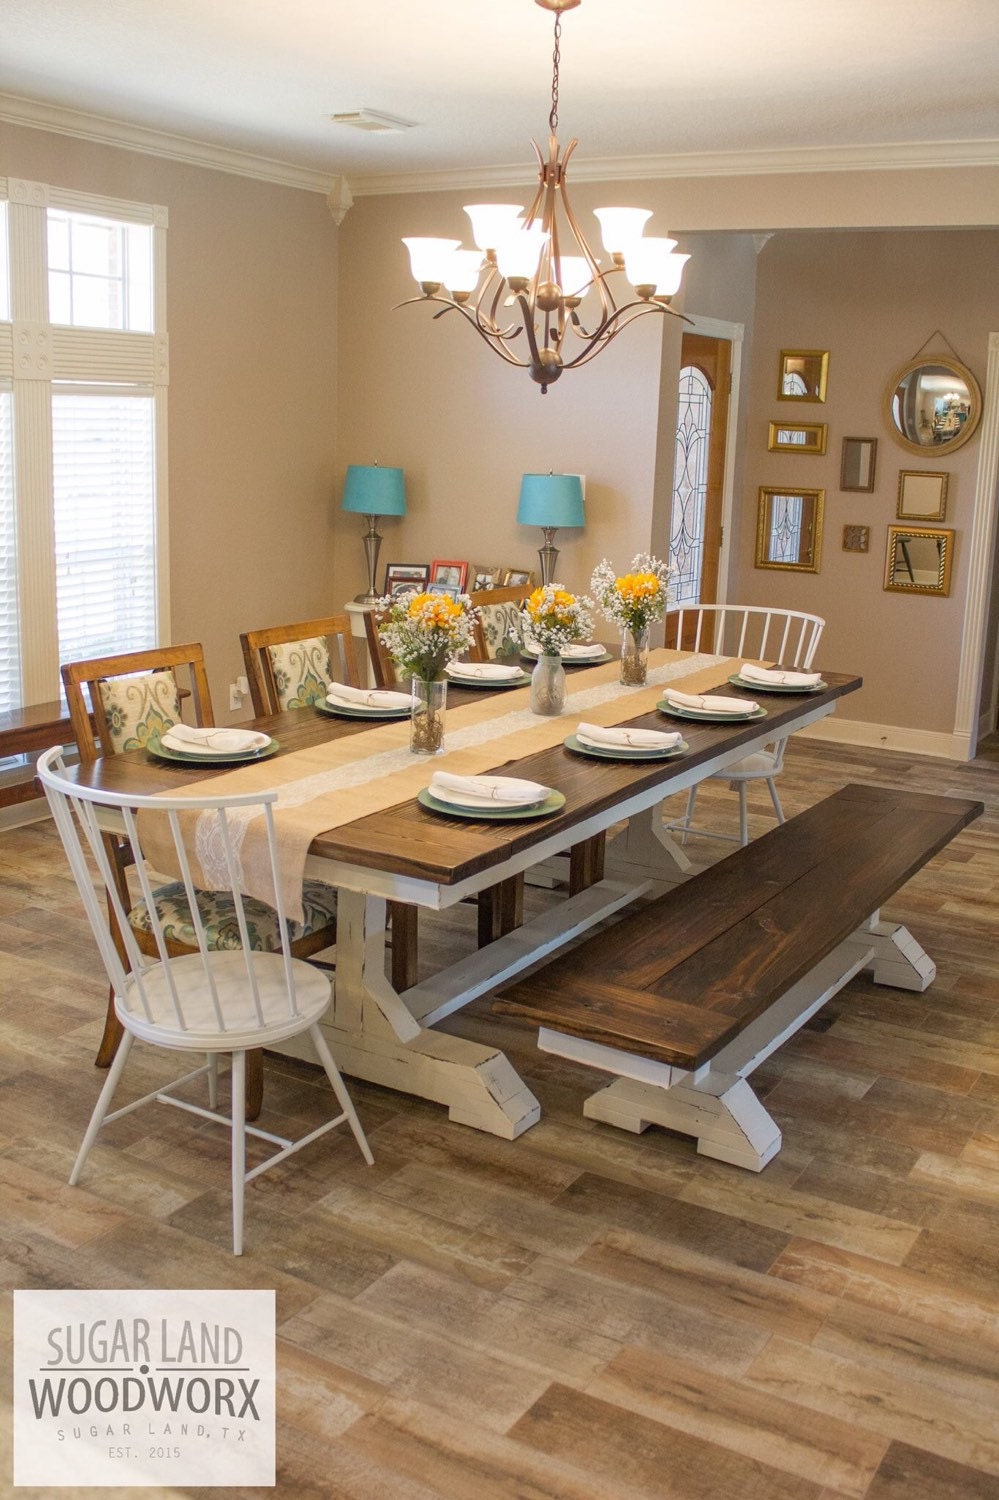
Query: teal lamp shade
{"x": 551, "y": 500}
{"x": 373, "y": 491}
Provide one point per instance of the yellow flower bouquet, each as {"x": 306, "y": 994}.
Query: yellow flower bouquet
{"x": 633, "y": 601}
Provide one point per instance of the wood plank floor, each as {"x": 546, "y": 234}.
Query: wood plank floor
{"x": 580, "y": 1314}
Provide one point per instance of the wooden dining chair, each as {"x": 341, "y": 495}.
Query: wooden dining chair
{"x": 292, "y": 666}
{"x": 117, "y": 703}
{"x": 755, "y": 633}
{"x": 498, "y": 629}
{"x": 208, "y": 999}
{"x": 384, "y": 672}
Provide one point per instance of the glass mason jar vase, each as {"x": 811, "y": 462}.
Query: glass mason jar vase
{"x": 635, "y": 657}
{"x": 426, "y": 728}
{"x": 548, "y": 686}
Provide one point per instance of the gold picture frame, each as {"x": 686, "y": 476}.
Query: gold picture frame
{"x": 789, "y": 528}
{"x": 922, "y": 495}
{"x": 801, "y": 437}
{"x": 918, "y": 560}
{"x": 803, "y": 374}
{"x": 856, "y": 539}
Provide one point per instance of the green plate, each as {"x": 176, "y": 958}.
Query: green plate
{"x": 553, "y": 803}
{"x": 574, "y": 661}
{"x": 361, "y": 713}
{"x": 235, "y": 758}
{"x": 773, "y": 687}
{"x": 605, "y": 752}
{"x": 521, "y": 680}
{"x": 697, "y": 716}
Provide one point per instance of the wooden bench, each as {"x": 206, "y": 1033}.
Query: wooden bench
{"x": 29, "y": 731}
{"x": 684, "y": 997}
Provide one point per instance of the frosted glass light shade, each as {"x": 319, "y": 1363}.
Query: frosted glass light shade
{"x": 620, "y": 227}
{"x": 461, "y": 271}
{"x": 428, "y": 258}
{"x": 551, "y": 500}
{"x": 672, "y": 274}
{"x": 519, "y": 253}
{"x": 373, "y": 491}
{"x": 576, "y": 275}
{"x": 648, "y": 262}
{"x": 492, "y": 222}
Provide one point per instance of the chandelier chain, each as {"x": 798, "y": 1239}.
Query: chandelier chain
{"x": 556, "y": 59}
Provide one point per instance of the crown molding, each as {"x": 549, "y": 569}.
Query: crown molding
{"x": 86, "y": 127}
{"x": 806, "y": 159}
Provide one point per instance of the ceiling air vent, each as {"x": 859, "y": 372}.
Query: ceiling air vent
{"x": 371, "y": 119}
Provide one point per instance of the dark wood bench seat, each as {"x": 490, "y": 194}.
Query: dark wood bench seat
{"x": 685, "y": 996}
{"x": 29, "y": 731}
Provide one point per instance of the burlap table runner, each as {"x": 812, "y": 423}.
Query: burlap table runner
{"x": 327, "y": 785}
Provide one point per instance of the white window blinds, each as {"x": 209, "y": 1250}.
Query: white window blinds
{"x": 10, "y": 673}
{"x": 105, "y": 522}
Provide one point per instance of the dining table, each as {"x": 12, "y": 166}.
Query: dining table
{"x": 373, "y": 840}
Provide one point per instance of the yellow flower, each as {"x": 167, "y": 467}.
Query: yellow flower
{"x": 634, "y": 587}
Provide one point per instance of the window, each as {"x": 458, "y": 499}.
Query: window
{"x": 690, "y": 484}
{"x": 82, "y": 477}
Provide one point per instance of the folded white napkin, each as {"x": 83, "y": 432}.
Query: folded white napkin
{"x": 197, "y": 741}
{"x": 351, "y": 697}
{"x": 486, "y": 791}
{"x": 487, "y": 671}
{"x": 777, "y": 677}
{"x": 709, "y": 703}
{"x": 616, "y": 738}
{"x": 575, "y": 651}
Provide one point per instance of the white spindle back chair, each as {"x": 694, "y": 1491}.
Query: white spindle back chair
{"x": 753, "y": 633}
{"x": 208, "y": 1000}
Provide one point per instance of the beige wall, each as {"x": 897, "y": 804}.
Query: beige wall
{"x": 252, "y": 276}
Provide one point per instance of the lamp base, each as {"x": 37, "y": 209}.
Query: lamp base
{"x": 372, "y": 542}
{"x": 548, "y": 556}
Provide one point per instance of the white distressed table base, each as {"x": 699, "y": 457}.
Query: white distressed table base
{"x": 715, "y": 1104}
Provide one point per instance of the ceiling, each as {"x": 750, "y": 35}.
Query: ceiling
{"x": 640, "y": 79}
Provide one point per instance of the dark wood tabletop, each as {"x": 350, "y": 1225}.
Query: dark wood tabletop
{"x": 412, "y": 841}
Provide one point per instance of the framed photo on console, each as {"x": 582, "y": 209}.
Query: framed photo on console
{"x": 452, "y": 574}
{"x": 405, "y": 578}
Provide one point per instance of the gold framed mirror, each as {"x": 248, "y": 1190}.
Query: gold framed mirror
{"x": 802, "y": 375}
{"x": 922, "y": 495}
{"x": 800, "y": 437}
{"x": 789, "y": 529}
{"x": 918, "y": 560}
{"x": 932, "y": 403}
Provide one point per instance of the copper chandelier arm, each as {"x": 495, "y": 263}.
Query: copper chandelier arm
{"x": 617, "y": 322}
{"x": 497, "y": 341}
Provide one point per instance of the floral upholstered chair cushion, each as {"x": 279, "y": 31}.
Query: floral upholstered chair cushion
{"x": 302, "y": 672}
{"x": 501, "y": 628}
{"x": 139, "y": 708}
{"x": 218, "y": 917}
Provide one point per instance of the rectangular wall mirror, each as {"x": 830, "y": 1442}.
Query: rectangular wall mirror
{"x": 802, "y": 375}
{"x": 857, "y": 464}
{"x": 789, "y": 529}
{"x": 807, "y": 437}
{"x": 922, "y": 495}
{"x": 918, "y": 560}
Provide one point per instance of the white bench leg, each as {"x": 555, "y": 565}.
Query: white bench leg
{"x": 898, "y": 960}
{"x": 731, "y": 1126}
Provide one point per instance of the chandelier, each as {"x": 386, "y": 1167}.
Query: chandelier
{"x": 539, "y": 263}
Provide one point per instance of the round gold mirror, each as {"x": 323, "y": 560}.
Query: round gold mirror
{"x": 931, "y": 404}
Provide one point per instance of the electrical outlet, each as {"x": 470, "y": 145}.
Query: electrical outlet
{"x": 235, "y": 696}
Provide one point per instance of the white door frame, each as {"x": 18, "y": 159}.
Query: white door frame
{"x": 734, "y": 334}
{"x": 975, "y": 710}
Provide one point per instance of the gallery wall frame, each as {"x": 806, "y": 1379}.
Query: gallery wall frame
{"x": 922, "y": 495}
{"x": 856, "y": 538}
{"x": 858, "y": 464}
{"x": 918, "y": 560}
{"x": 800, "y": 437}
{"x": 803, "y": 375}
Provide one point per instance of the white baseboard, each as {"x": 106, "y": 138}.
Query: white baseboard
{"x": 838, "y": 731}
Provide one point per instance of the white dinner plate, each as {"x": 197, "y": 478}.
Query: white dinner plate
{"x": 774, "y": 687}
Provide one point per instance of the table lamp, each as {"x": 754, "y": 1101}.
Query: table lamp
{"x": 550, "y": 501}
{"x": 372, "y": 491}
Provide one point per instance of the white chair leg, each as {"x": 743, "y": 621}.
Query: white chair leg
{"x": 689, "y": 815}
{"x": 238, "y": 1148}
{"x": 102, "y": 1106}
{"x": 340, "y": 1090}
{"x": 743, "y": 814}
{"x": 772, "y": 789}
{"x": 213, "y": 1079}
